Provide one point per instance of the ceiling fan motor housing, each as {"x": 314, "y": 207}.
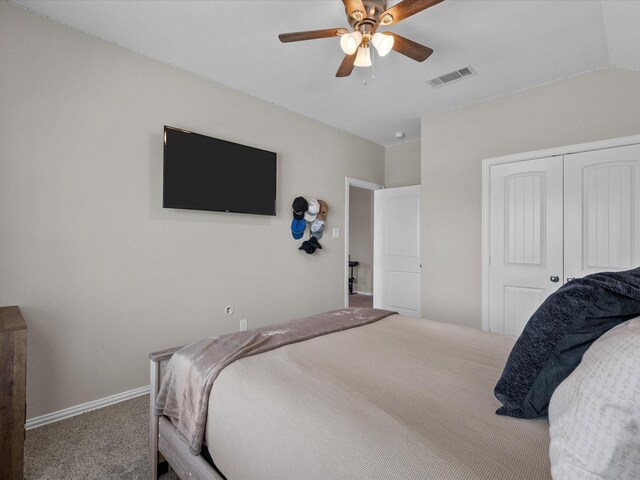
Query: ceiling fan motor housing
{"x": 371, "y": 20}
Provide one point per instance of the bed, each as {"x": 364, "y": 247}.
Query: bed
{"x": 397, "y": 398}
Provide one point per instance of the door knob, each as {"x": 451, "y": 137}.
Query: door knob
{"x": 554, "y": 278}
{"x": 570, "y": 278}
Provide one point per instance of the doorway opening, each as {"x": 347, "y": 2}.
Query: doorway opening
{"x": 359, "y": 253}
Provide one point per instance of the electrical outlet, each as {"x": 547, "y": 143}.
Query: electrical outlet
{"x": 244, "y": 324}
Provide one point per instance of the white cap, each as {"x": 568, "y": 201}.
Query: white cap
{"x": 312, "y": 210}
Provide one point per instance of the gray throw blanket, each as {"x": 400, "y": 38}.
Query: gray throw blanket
{"x": 184, "y": 393}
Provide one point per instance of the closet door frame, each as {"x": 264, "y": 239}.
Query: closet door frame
{"x": 520, "y": 157}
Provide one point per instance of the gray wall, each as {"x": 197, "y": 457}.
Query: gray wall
{"x": 102, "y": 273}
{"x": 594, "y": 106}
{"x": 402, "y": 164}
{"x": 361, "y": 237}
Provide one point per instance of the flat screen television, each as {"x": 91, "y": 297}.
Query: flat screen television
{"x": 205, "y": 173}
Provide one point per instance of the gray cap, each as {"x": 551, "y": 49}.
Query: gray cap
{"x": 317, "y": 227}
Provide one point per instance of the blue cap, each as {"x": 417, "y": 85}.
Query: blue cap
{"x": 297, "y": 228}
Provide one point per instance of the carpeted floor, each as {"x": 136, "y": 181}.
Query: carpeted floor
{"x": 358, "y": 300}
{"x": 106, "y": 444}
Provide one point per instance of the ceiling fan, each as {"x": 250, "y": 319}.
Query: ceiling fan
{"x": 365, "y": 16}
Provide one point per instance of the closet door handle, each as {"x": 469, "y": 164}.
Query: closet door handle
{"x": 570, "y": 278}
{"x": 554, "y": 278}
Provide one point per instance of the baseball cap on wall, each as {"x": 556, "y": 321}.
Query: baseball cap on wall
{"x": 307, "y": 247}
{"x": 314, "y": 242}
{"x": 312, "y": 210}
{"x": 324, "y": 210}
{"x": 316, "y": 228}
{"x": 310, "y": 246}
{"x": 299, "y": 206}
{"x": 297, "y": 228}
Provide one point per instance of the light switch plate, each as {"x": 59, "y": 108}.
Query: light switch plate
{"x": 336, "y": 233}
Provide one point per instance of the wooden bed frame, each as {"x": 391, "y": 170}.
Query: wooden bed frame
{"x": 164, "y": 443}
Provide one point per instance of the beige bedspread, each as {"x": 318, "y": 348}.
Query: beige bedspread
{"x": 400, "y": 398}
{"x": 183, "y": 396}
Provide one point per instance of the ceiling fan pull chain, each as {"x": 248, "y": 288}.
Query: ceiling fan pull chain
{"x": 373, "y": 68}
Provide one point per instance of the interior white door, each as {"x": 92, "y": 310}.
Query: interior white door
{"x": 525, "y": 243}
{"x": 397, "y": 280}
{"x": 602, "y": 210}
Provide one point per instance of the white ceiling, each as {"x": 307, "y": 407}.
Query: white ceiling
{"x": 512, "y": 44}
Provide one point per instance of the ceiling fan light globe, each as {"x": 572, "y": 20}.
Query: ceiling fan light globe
{"x": 383, "y": 43}
{"x": 349, "y": 42}
{"x": 363, "y": 59}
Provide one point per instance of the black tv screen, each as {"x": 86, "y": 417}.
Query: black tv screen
{"x": 205, "y": 173}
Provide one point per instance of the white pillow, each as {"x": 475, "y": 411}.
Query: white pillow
{"x": 594, "y": 415}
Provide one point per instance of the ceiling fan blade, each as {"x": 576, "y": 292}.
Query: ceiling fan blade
{"x": 355, "y": 6}
{"x": 409, "y": 48}
{"x": 346, "y": 67}
{"x": 405, "y": 9}
{"x": 311, "y": 34}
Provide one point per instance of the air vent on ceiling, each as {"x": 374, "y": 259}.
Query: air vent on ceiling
{"x": 451, "y": 77}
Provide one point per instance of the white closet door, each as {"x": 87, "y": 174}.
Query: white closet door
{"x": 525, "y": 240}
{"x": 602, "y": 210}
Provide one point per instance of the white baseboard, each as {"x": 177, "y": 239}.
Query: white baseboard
{"x": 84, "y": 408}
{"x": 363, "y": 293}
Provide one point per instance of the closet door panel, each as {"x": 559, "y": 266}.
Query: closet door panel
{"x": 525, "y": 240}
{"x": 602, "y": 210}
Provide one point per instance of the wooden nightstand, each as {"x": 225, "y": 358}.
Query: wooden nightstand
{"x": 13, "y": 369}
